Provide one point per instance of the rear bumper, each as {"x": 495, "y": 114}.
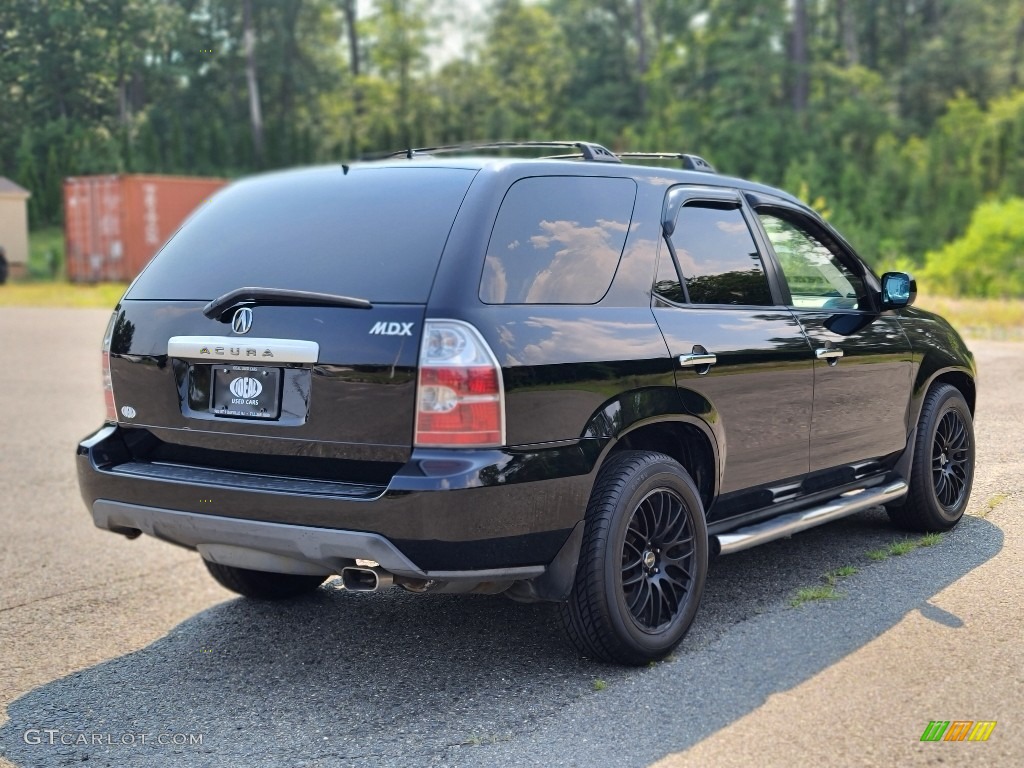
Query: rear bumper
{"x": 446, "y": 515}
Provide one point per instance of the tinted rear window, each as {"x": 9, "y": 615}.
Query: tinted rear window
{"x": 557, "y": 240}
{"x": 375, "y": 233}
{"x": 718, "y": 258}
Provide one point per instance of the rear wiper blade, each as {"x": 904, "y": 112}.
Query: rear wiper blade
{"x": 252, "y": 297}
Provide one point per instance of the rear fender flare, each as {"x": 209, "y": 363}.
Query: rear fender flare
{"x": 633, "y": 410}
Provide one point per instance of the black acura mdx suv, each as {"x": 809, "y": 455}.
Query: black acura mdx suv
{"x": 571, "y": 378}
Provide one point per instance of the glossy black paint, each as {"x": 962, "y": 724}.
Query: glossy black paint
{"x": 488, "y": 508}
{"x": 861, "y": 400}
{"x": 755, "y": 397}
{"x": 355, "y": 403}
{"x": 779, "y": 428}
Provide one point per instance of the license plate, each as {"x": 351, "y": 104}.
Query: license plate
{"x": 246, "y": 392}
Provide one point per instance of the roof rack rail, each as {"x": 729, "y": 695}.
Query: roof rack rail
{"x": 689, "y": 162}
{"x": 588, "y": 150}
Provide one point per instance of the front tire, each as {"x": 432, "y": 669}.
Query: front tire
{"x": 943, "y": 468}
{"x": 643, "y": 561}
{"x": 261, "y": 585}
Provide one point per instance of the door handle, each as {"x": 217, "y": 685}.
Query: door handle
{"x": 832, "y": 354}
{"x": 697, "y": 359}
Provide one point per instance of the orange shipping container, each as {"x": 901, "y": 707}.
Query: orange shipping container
{"x": 114, "y": 224}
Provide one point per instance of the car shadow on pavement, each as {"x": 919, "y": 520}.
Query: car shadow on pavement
{"x": 398, "y": 679}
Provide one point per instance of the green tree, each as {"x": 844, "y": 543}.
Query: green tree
{"x": 988, "y": 261}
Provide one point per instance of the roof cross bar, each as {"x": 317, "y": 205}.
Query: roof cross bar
{"x": 689, "y": 162}
{"x": 588, "y": 150}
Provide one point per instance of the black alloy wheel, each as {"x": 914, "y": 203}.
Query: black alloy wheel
{"x": 951, "y": 451}
{"x": 942, "y": 470}
{"x": 658, "y": 560}
{"x": 642, "y": 564}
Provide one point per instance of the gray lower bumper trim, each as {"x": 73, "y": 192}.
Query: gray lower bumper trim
{"x": 328, "y": 547}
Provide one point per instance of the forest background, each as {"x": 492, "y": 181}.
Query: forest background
{"x": 902, "y": 121}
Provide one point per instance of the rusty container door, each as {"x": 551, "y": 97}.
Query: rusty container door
{"x": 93, "y": 238}
{"x": 154, "y": 208}
{"x": 113, "y": 225}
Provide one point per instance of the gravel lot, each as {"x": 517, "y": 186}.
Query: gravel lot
{"x": 106, "y": 640}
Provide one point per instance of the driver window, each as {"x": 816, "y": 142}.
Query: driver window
{"x": 817, "y": 278}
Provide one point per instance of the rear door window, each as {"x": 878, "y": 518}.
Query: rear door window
{"x": 557, "y": 240}
{"x": 373, "y": 233}
{"x": 718, "y": 260}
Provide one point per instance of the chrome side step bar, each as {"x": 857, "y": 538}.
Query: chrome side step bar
{"x": 786, "y": 525}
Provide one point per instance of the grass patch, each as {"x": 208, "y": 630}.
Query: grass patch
{"x": 900, "y": 548}
{"x": 46, "y": 254}
{"x": 839, "y": 573}
{"x": 980, "y": 318}
{"x": 810, "y": 594}
{"x": 600, "y": 685}
{"x": 991, "y": 504}
{"x": 61, "y": 294}
{"x": 476, "y": 740}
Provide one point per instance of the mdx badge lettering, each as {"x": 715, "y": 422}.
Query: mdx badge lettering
{"x": 392, "y": 329}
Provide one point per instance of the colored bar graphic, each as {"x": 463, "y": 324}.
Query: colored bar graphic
{"x": 958, "y": 730}
{"x": 982, "y": 730}
{"x": 935, "y": 730}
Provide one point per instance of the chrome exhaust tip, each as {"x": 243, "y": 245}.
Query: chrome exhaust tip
{"x": 359, "y": 579}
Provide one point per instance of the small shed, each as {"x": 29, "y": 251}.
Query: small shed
{"x": 14, "y": 225}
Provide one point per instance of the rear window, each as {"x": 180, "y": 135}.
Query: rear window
{"x": 557, "y": 240}
{"x": 375, "y": 233}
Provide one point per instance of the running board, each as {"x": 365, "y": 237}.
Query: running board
{"x": 786, "y": 525}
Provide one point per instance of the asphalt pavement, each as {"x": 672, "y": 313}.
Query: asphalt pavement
{"x": 126, "y": 653}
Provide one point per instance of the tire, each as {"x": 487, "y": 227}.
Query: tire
{"x": 943, "y": 467}
{"x": 261, "y": 585}
{"x": 631, "y": 603}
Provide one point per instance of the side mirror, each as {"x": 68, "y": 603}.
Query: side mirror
{"x": 898, "y": 290}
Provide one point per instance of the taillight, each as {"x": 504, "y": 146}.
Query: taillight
{"x": 460, "y": 400}
{"x": 108, "y": 385}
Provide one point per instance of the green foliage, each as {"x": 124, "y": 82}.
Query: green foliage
{"x": 988, "y": 261}
{"x": 913, "y": 116}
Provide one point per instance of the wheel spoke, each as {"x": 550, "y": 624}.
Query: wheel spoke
{"x": 951, "y": 458}
{"x": 657, "y": 559}
{"x": 683, "y": 583}
{"x": 633, "y": 578}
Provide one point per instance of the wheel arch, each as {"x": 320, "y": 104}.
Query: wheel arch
{"x": 962, "y": 379}
{"x": 681, "y": 424}
{"x": 684, "y": 438}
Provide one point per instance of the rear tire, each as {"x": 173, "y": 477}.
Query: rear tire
{"x": 943, "y": 468}
{"x": 643, "y": 561}
{"x": 261, "y": 585}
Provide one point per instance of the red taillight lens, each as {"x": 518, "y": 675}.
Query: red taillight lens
{"x": 108, "y": 385}
{"x": 460, "y": 399}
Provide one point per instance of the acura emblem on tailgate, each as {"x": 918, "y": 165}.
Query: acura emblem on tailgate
{"x": 242, "y": 321}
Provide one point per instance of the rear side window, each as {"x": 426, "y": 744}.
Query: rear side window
{"x": 373, "y": 233}
{"x": 718, "y": 259}
{"x": 557, "y": 240}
